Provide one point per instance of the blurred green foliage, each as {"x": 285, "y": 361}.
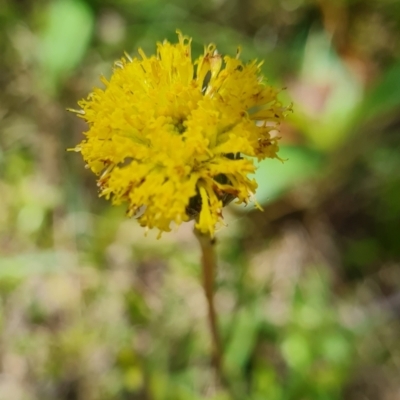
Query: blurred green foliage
{"x": 307, "y": 291}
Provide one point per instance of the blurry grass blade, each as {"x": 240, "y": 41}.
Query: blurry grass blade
{"x": 64, "y": 40}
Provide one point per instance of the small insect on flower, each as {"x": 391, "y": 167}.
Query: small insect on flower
{"x": 176, "y": 139}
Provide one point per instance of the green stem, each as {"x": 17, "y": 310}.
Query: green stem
{"x": 209, "y": 266}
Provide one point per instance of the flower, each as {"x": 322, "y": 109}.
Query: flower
{"x": 176, "y": 139}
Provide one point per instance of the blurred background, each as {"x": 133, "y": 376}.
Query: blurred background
{"x": 308, "y": 291}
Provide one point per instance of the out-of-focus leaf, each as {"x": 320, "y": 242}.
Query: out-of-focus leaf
{"x": 158, "y": 385}
{"x": 266, "y": 384}
{"x": 137, "y": 309}
{"x": 20, "y": 266}
{"x": 64, "y": 40}
{"x": 296, "y": 351}
{"x": 243, "y": 339}
{"x": 336, "y": 348}
{"x": 275, "y": 178}
{"x": 133, "y": 378}
{"x": 384, "y": 97}
{"x": 326, "y": 95}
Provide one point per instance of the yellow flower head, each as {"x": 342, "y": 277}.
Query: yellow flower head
{"x": 178, "y": 138}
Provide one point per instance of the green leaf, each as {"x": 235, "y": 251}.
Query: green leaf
{"x": 243, "y": 340}
{"x": 64, "y": 40}
{"x": 275, "y": 178}
{"x": 327, "y": 95}
{"x": 296, "y": 351}
{"x": 384, "y": 97}
{"x": 28, "y": 264}
{"x": 336, "y": 348}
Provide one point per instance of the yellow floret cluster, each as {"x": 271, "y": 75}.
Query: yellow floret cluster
{"x": 176, "y": 139}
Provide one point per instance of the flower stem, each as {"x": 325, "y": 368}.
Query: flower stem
{"x": 209, "y": 266}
